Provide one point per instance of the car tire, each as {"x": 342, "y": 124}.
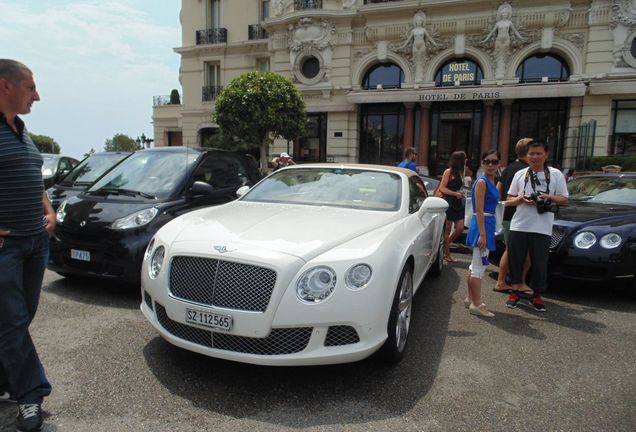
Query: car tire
{"x": 399, "y": 319}
{"x": 438, "y": 265}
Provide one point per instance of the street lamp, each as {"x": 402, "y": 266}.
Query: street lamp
{"x": 143, "y": 141}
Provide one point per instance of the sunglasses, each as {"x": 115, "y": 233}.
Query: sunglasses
{"x": 490, "y": 161}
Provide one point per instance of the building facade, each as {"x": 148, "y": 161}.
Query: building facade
{"x": 440, "y": 75}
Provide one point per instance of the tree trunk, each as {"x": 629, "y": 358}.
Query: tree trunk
{"x": 263, "y": 155}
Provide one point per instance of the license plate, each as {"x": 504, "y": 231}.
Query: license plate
{"x": 222, "y": 322}
{"x": 80, "y": 255}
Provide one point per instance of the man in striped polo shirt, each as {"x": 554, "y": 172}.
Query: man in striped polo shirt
{"x": 26, "y": 221}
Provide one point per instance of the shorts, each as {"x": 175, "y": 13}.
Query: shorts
{"x": 476, "y": 267}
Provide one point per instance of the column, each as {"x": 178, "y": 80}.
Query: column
{"x": 504, "y": 130}
{"x": 408, "y": 125}
{"x": 425, "y": 138}
{"x": 486, "y": 126}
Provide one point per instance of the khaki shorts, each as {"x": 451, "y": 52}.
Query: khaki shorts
{"x": 506, "y": 231}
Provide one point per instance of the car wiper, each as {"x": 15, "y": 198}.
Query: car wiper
{"x": 118, "y": 191}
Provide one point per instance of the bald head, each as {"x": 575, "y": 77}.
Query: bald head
{"x": 13, "y": 71}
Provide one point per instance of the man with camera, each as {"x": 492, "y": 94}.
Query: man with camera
{"x": 537, "y": 192}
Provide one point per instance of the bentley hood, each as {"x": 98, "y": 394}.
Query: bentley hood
{"x": 298, "y": 230}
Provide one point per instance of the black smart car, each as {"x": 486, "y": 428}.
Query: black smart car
{"x": 83, "y": 175}
{"x": 104, "y": 231}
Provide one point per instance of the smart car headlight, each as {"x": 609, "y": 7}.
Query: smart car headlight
{"x": 60, "y": 215}
{"x": 149, "y": 249}
{"x": 156, "y": 262}
{"x": 135, "y": 220}
{"x": 610, "y": 241}
{"x": 584, "y": 240}
{"x": 316, "y": 284}
{"x": 358, "y": 276}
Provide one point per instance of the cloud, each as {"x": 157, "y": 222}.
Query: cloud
{"x": 98, "y": 57}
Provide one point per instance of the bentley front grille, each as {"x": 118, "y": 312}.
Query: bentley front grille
{"x": 341, "y": 335}
{"x": 226, "y": 284}
{"x": 557, "y": 235}
{"x": 280, "y": 340}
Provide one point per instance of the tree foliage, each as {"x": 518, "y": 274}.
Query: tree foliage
{"x": 258, "y": 106}
{"x": 121, "y": 142}
{"x": 89, "y": 153}
{"x": 45, "y": 144}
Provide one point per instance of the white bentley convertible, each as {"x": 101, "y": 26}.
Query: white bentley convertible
{"x": 316, "y": 264}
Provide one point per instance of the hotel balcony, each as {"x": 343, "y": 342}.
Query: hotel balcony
{"x": 209, "y": 93}
{"x": 307, "y": 4}
{"x": 211, "y": 36}
{"x": 255, "y": 32}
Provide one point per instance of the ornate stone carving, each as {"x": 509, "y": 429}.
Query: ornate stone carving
{"x": 504, "y": 33}
{"x": 280, "y": 7}
{"x": 415, "y": 46}
{"x": 623, "y": 26}
{"x": 312, "y": 38}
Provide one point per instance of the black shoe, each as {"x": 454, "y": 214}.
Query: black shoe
{"x": 513, "y": 299}
{"x": 29, "y": 418}
{"x": 5, "y": 396}
{"x": 537, "y": 304}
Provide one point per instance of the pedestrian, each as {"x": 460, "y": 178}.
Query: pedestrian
{"x": 536, "y": 191}
{"x": 481, "y": 233}
{"x": 521, "y": 149}
{"x": 410, "y": 155}
{"x": 282, "y": 161}
{"x": 569, "y": 175}
{"x": 450, "y": 186}
{"x": 26, "y": 221}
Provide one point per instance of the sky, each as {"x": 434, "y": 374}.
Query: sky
{"x": 97, "y": 65}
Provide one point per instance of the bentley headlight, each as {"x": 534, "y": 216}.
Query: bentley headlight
{"x": 156, "y": 262}
{"x": 135, "y": 220}
{"x": 584, "y": 240}
{"x": 60, "y": 215}
{"x": 149, "y": 249}
{"x": 610, "y": 241}
{"x": 316, "y": 284}
{"x": 358, "y": 276}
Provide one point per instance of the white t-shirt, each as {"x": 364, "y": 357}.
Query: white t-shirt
{"x": 526, "y": 218}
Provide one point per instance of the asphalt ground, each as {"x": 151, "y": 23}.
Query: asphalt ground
{"x": 570, "y": 369}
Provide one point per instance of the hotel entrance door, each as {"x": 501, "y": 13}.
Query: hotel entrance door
{"x": 454, "y": 135}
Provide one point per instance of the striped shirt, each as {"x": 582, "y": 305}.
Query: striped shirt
{"x": 21, "y": 186}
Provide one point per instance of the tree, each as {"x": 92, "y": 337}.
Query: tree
{"x": 121, "y": 142}
{"x": 89, "y": 153}
{"x": 258, "y": 106}
{"x": 45, "y": 144}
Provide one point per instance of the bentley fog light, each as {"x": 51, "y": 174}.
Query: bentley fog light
{"x": 149, "y": 249}
{"x": 154, "y": 268}
{"x": 135, "y": 220}
{"x": 610, "y": 241}
{"x": 584, "y": 240}
{"x": 61, "y": 212}
{"x": 358, "y": 276}
{"x": 316, "y": 284}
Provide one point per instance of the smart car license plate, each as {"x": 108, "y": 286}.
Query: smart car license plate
{"x": 221, "y": 322}
{"x": 80, "y": 255}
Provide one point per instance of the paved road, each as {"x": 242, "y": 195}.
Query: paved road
{"x": 571, "y": 369}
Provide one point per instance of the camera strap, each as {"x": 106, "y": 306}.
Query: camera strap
{"x": 531, "y": 176}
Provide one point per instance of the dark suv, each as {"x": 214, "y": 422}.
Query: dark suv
{"x": 84, "y": 175}
{"x": 104, "y": 231}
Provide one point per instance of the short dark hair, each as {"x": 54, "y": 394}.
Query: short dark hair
{"x": 487, "y": 153}
{"x": 409, "y": 151}
{"x": 539, "y": 143}
{"x": 13, "y": 71}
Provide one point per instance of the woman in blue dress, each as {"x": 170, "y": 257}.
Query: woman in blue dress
{"x": 481, "y": 233}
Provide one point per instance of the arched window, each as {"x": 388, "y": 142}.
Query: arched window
{"x": 464, "y": 71}
{"x": 535, "y": 68}
{"x": 389, "y": 75}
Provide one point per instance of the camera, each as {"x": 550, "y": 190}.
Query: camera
{"x": 542, "y": 205}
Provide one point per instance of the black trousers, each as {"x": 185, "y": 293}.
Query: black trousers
{"x": 538, "y": 246}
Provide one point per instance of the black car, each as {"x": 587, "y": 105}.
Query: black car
{"x": 104, "y": 231}
{"x": 55, "y": 167}
{"x": 83, "y": 175}
{"x": 594, "y": 236}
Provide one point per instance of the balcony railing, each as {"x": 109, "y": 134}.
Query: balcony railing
{"x": 160, "y": 100}
{"x": 378, "y": 1}
{"x": 307, "y": 4}
{"x": 209, "y": 93}
{"x": 255, "y": 31}
{"x": 211, "y": 36}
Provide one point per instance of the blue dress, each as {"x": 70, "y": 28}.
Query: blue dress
{"x": 490, "y": 206}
